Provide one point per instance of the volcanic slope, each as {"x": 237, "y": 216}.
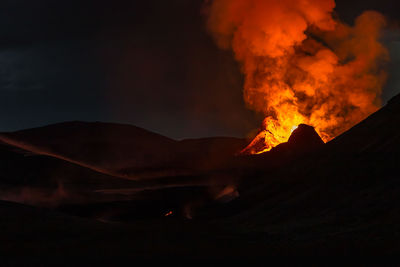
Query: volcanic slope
{"x": 47, "y": 181}
{"x": 37, "y": 173}
{"x": 125, "y": 150}
{"x": 343, "y": 198}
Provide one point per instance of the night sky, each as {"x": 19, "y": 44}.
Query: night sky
{"x": 148, "y": 63}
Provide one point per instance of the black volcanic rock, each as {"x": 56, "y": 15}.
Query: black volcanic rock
{"x": 303, "y": 139}
{"x": 377, "y": 134}
{"x": 305, "y": 136}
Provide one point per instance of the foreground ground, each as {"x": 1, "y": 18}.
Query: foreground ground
{"x": 338, "y": 199}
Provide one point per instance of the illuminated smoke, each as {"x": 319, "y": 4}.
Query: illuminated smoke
{"x": 302, "y": 65}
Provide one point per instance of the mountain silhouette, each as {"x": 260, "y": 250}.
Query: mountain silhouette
{"x": 303, "y": 197}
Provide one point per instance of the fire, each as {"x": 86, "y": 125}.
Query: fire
{"x": 302, "y": 65}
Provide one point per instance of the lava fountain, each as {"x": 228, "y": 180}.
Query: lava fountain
{"x": 301, "y": 64}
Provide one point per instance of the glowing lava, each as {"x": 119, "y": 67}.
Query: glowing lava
{"x": 271, "y": 134}
{"x": 169, "y": 213}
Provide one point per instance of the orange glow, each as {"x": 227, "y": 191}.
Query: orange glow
{"x": 169, "y": 213}
{"x": 229, "y": 191}
{"x": 301, "y": 65}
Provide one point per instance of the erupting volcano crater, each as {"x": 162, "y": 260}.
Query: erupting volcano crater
{"x": 302, "y": 138}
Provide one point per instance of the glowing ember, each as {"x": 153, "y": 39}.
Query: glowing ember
{"x": 302, "y": 65}
{"x": 169, "y": 213}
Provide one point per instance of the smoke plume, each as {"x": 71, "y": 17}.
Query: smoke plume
{"x": 301, "y": 63}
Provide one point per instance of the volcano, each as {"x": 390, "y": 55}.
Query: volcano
{"x": 304, "y": 197}
{"x": 303, "y": 139}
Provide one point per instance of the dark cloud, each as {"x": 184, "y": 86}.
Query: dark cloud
{"x": 347, "y": 10}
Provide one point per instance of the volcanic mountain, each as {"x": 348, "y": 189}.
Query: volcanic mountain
{"x": 303, "y": 139}
{"x": 124, "y": 150}
{"x": 301, "y": 198}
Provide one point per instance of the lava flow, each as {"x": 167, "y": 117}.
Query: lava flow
{"x": 301, "y": 64}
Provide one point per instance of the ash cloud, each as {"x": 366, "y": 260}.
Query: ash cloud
{"x": 302, "y": 64}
